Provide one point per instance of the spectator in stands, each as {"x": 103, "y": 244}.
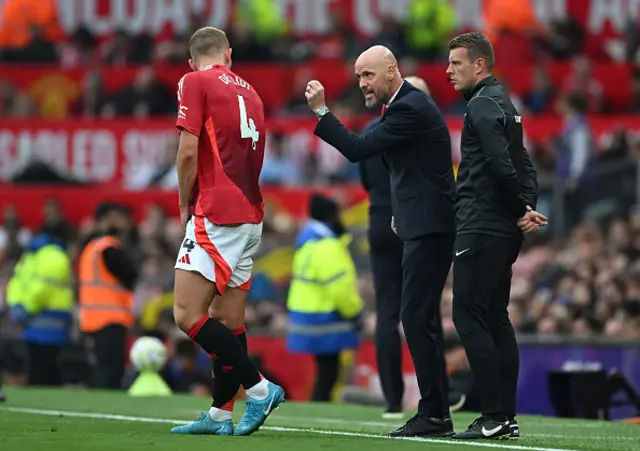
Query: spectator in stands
{"x": 7, "y": 95}
{"x": 574, "y": 152}
{"x": 146, "y": 97}
{"x": 183, "y": 373}
{"x": 296, "y": 104}
{"x": 565, "y": 38}
{"x": 633, "y": 106}
{"x": 79, "y": 50}
{"x": 581, "y": 82}
{"x": 156, "y": 272}
{"x": 28, "y": 30}
{"x": 247, "y": 47}
{"x": 393, "y": 34}
{"x": 540, "y": 98}
{"x": 429, "y": 24}
{"x": 54, "y": 220}
{"x": 263, "y": 17}
{"x": 124, "y": 50}
{"x": 340, "y": 41}
{"x": 278, "y": 168}
{"x": 161, "y": 175}
{"x": 631, "y": 39}
{"x": 153, "y": 225}
{"x": 13, "y": 237}
{"x": 92, "y": 102}
{"x": 176, "y": 49}
{"x": 513, "y": 27}
{"x": 14, "y": 103}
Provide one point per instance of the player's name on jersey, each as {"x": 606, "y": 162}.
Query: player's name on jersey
{"x": 227, "y": 79}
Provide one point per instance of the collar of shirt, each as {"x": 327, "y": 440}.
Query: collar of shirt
{"x": 489, "y": 81}
{"x": 210, "y": 66}
{"x": 394, "y": 95}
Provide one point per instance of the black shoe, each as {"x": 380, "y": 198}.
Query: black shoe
{"x": 485, "y": 427}
{"x": 515, "y": 429}
{"x": 422, "y": 426}
{"x": 3, "y": 398}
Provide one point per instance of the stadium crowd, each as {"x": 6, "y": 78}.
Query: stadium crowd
{"x": 581, "y": 278}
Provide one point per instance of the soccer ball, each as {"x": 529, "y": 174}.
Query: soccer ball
{"x": 148, "y": 354}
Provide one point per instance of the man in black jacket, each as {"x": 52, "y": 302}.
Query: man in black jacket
{"x": 414, "y": 141}
{"x": 385, "y": 249}
{"x": 497, "y": 192}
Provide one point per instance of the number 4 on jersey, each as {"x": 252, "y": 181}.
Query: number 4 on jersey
{"x": 247, "y": 125}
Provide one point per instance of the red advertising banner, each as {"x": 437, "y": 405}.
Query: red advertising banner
{"x": 604, "y": 19}
{"x": 112, "y": 152}
{"x": 79, "y": 203}
{"x": 56, "y": 90}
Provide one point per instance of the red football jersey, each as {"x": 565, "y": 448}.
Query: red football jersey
{"x": 227, "y": 115}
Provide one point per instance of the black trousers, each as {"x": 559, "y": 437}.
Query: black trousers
{"x": 426, "y": 262}
{"x": 481, "y": 289}
{"x": 109, "y": 351}
{"x": 327, "y": 367}
{"x": 43, "y": 365}
{"x": 386, "y": 265}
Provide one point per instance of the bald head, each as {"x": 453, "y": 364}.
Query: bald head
{"x": 418, "y": 83}
{"x": 377, "y": 72}
{"x": 378, "y": 54}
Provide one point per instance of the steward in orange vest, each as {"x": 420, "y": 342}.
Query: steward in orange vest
{"x": 106, "y": 278}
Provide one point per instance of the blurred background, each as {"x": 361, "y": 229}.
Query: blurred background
{"x": 87, "y": 115}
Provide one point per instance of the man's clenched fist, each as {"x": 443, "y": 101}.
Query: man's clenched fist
{"x": 315, "y": 95}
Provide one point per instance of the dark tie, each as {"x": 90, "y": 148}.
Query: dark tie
{"x": 384, "y": 108}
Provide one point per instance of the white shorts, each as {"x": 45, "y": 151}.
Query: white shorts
{"x": 222, "y": 254}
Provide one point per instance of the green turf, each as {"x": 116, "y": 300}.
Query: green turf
{"x": 41, "y": 431}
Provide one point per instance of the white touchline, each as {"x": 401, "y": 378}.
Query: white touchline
{"x": 106, "y": 416}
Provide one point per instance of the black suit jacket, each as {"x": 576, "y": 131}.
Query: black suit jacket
{"x": 415, "y": 143}
{"x": 374, "y": 176}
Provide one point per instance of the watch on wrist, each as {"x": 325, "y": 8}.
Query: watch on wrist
{"x": 321, "y": 111}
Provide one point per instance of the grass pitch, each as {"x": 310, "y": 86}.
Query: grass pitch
{"x": 57, "y": 420}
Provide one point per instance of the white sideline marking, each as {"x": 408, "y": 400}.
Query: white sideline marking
{"x": 392, "y": 424}
{"x": 106, "y": 416}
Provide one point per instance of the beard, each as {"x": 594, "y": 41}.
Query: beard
{"x": 373, "y": 101}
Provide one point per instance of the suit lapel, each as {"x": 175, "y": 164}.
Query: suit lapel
{"x": 404, "y": 89}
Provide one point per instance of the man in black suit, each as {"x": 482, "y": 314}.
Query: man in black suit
{"x": 415, "y": 143}
{"x": 385, "y": 250}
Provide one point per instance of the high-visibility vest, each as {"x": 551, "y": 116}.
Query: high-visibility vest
{"x": 103, "y": 300}
{"x": 323, "y": 299}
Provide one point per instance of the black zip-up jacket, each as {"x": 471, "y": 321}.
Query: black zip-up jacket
{"x": 496, "y": 180}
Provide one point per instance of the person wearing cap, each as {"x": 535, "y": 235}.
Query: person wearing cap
{"x": 323, "y": 302}
{"x": 106, "y": 278}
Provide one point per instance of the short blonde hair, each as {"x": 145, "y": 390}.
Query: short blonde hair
{"x": 208, "y": 41}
